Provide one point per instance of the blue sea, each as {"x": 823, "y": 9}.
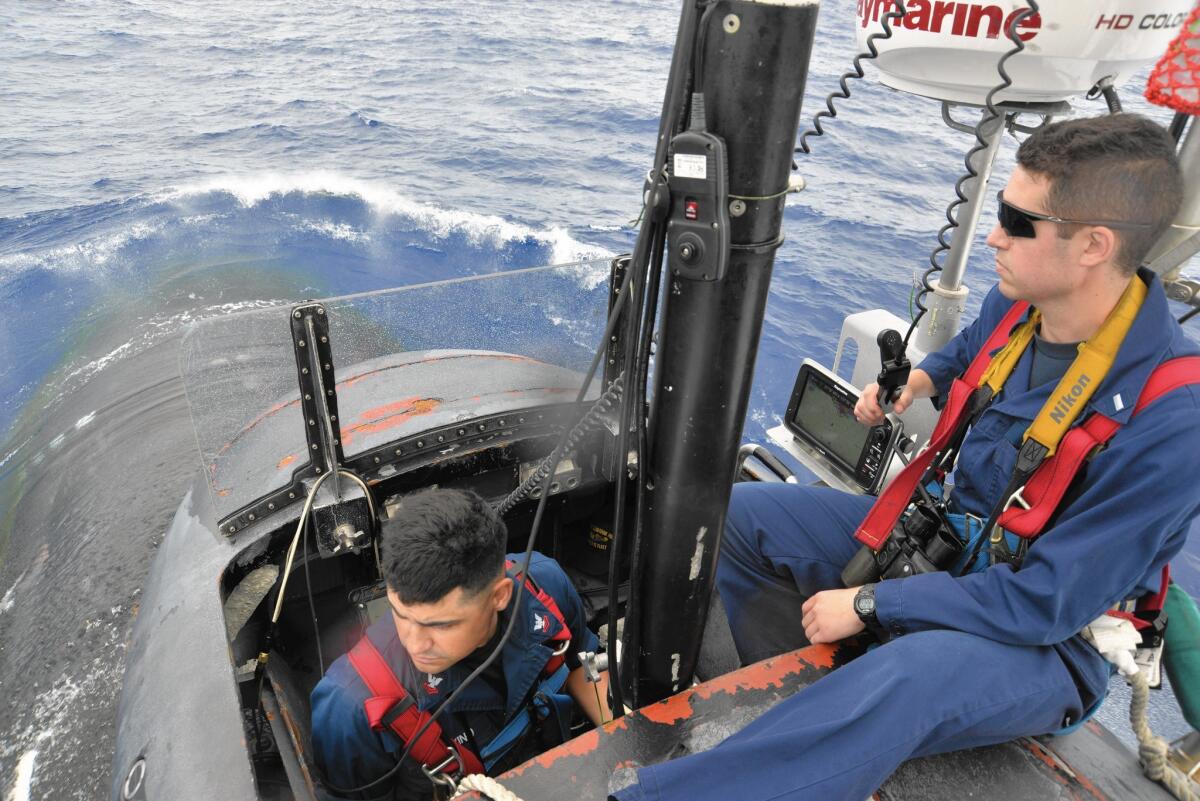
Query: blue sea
{"x": 163, "y": 163}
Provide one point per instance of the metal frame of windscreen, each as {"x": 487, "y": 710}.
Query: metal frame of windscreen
{"x": 411, "y": 448}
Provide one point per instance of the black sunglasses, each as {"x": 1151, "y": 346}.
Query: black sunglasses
{"x": 1019, "y": 222}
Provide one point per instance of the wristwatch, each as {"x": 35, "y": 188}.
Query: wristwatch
{"x": 864, "y": 607}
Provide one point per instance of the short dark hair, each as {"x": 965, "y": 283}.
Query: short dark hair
{"x": 441, "y": 539}
{"x": 1119, "y": 167}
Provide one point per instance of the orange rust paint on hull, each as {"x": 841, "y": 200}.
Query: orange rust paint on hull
{"x": 285, "y": 461}
{"x": 670, "y": 710}
{"x": 401, "y": 406}
{"x": 1048, "y": 756}
{"x": 390, "y": 416}
{"x": 352, "y": 380}
{"x": 770, "y": 672}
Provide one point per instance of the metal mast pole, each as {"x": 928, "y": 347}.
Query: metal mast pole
{"x": 754, "y": 56}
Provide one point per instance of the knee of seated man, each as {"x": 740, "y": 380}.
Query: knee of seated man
{"x": 933, "y": 660}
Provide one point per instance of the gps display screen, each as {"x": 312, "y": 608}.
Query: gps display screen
{"x": 826, "y": 418}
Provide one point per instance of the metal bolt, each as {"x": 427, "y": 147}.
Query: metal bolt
{"x": 251, "y": 517}
{"x": 716, "y": 226}
{"x": 329, "y": 392}
{"x": 462, "y": 432}
{"x": 318, "y": 471}
{"x": 420, "y": 443}
{"x": 296, "y": 315}
{"x": 271, "y": 506}
{"x": 737, "y": 208}
{"x": 307, "y": 396}
{"x": 500, "y": 422}
{"x": 327, "y": 367}
{"x": 312, "y": 422}
{"x": 301, "y": 343}
{"x": 324, "y": 340}
{"x": 314, "y": 447}
{"x": 481, "y": 427}
{"x": 399, "y": 451}
{"x": 335, "y": 442}
{"x": 333, "y": 418}
{"x": 731, "y": 23}
{"x": 376, "y": 460}
{"x": 303, "y": 371}
{"x": 292, "y": 495}
{"x": 234, "y": 528}
{"x": 614, "y": 337}
{"x": 320, "y": 310}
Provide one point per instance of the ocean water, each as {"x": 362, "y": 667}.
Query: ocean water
{"x": 168, "y": 162}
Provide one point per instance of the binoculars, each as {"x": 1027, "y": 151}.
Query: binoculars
{"x": 922, "y": 542}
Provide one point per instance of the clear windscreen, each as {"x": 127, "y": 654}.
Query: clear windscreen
{"x": 402, "y": 359}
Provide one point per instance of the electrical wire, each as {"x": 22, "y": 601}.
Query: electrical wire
{"x": 286, "y": 574}
{"x": 588, "y": 422}
{"x": 312, "y": 607}
{"x": 898, "y": 11}
{"x": 981, "y": 144}
{"x": 1188, "y": 315}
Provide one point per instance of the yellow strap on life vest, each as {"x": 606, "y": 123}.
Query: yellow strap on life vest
{"x": 1079, "y": 383}
{"x": 1005, "y": 360}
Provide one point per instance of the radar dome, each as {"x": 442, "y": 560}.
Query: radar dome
{"x": 949, "y": 50}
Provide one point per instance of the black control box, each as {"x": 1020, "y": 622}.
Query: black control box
{"x": 698, "y": 228}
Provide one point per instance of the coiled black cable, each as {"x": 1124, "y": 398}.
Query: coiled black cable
{"x": 588, "y": 422}
{"x": 843, "y": 92}
{"x": 981, "y": 144}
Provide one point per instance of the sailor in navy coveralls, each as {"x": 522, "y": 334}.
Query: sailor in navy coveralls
{"x": 991, "y": 655}
{"x": 450, "y": 589}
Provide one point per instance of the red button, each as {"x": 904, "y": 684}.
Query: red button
{"x": 691, "y": 209}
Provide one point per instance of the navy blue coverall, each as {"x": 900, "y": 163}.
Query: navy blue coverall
{"x": 973, "y": 660}
{"x": 350, "y": 754}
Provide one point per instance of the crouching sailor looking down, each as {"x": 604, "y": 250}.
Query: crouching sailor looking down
{"x": 451, "y": 592}
{"x": 988, "y": 647}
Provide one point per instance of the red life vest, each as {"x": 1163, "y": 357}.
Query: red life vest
{"x": 1043, "y": 492}
{"x": 392, "y": 707}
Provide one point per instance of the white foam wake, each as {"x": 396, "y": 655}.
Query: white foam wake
{"x": 478, "y": 228}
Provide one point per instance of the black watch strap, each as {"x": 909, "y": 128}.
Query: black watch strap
{"x": 864, "y": 607}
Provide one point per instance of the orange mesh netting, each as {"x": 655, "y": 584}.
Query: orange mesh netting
{"x": 1175, "y": 81}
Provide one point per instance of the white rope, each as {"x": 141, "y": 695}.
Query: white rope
{"x": 1152, "y": 749}
{"x": 490, "y": 788}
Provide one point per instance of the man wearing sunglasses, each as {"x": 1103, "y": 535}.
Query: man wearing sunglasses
{"x": 991, "y": 653}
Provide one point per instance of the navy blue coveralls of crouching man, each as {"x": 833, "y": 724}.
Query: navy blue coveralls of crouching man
{"x": 992, "y": 655}
{"x": 451, "y": 589}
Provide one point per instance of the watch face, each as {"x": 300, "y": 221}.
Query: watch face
{"x": 864, "y": 604}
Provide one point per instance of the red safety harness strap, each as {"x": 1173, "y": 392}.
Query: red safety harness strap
{"x": 878, "y": 524}
{"x": 391, "y": 707}
{"x": 563, "y": 635}
{"x": 1046, "y": 487}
